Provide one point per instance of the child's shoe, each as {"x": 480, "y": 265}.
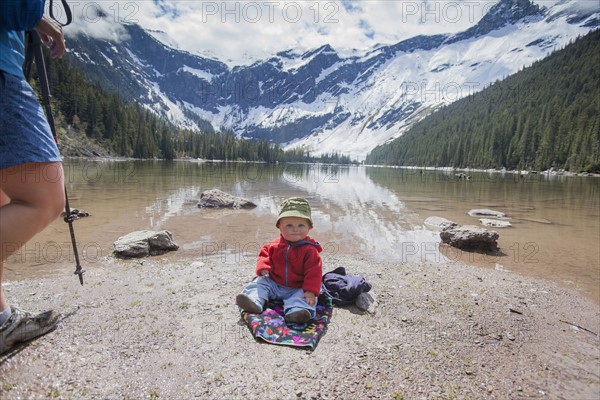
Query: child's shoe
{"x": 245, "y": 303}
{"x": 298, "y": 317}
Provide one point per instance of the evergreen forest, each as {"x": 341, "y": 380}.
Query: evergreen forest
{"x": 545, "y": 116}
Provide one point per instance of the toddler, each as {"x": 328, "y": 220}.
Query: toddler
{"x": 289, "y": 268}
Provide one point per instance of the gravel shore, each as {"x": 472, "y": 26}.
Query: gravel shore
{"x": 166, "y": 328}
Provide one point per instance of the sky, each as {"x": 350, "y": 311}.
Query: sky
{"x": 239, "y": 32}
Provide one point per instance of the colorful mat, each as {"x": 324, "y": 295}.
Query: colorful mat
{"x": 271, "y": 326}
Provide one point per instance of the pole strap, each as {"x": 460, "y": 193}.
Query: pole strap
{"x": 67, "y": 12}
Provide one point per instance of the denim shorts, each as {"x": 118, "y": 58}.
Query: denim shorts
{"x": 25, "y": 135}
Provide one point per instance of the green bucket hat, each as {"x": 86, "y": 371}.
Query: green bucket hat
{"x": 295, "y": 207}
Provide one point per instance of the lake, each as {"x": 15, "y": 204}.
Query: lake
{"x": 368, "y": 212}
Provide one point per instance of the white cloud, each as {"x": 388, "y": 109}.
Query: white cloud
{"x": 87, "y": 19}
{"x": 239, "y": 31}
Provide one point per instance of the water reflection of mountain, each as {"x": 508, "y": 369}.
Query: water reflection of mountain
{"x": 365, "y": 213}
{"x": 348, "y": 205}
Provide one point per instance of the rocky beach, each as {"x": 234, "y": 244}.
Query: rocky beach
{"x": 167, "y": 327}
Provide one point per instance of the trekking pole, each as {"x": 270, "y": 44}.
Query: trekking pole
{"x": 34, "y": 51}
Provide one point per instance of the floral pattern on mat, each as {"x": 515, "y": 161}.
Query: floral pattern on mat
{"x": 271, "y": 326}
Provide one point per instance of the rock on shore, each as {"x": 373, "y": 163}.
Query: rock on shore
{"x": 144, "y": 243}
{"x": 216, "y": 198}
{"x": 470, "y": 237}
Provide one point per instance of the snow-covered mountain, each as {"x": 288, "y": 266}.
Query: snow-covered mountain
{"x": 325, "y": 102}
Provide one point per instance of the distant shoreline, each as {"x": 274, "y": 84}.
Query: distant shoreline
{"x": 550, "y": 173}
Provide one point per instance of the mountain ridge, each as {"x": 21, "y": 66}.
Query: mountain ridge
{"x": 320, "y": 100}
{"x": 520, "y": 123}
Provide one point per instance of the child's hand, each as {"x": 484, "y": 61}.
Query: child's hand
{"x": 264, "y": 272}
{"x": 310, "y": 297}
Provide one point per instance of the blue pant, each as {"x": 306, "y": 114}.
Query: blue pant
{"x": 264, "y": 288}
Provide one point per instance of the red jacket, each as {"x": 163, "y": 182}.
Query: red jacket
{"x": 293, "y": 264}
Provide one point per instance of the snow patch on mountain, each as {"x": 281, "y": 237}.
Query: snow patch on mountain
{"x": 429, "y": 79}
{"x": 198, "y": 73}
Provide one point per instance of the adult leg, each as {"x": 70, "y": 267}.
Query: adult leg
{"x": 4, "y": 200}
{"x": 36, "y": 197}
